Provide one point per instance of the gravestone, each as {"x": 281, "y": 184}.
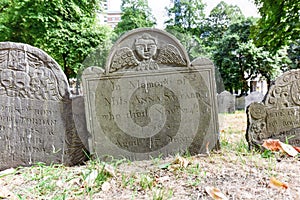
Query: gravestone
{"x": 150, "y": 100}
{"x": 253, "y": 97}
{"x": 36, "y": 122}
{"x": 226, "y": 102}
{"x": 240, "y": 103}
{"x": 278, "y": 116}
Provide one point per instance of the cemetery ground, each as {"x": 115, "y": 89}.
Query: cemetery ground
{"x": 235, "y": 171}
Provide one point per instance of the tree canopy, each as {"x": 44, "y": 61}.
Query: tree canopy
{"x": 279, "y": 24}
{"x": 66, "y": 29}
{"x": 135, "y": 14}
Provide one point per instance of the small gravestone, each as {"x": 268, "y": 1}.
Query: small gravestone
{"x": 150, "y": 100}
{"x": 240, "y": 103}
{"x": 226, "y": 102}
{"x": 36, "y": 122}
{"x": 253, "y": 97}
{"x": 278, "y": 116}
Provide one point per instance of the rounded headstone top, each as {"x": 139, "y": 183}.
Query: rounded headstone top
{"x": 146, "y": 49}
{"x": 36, "y": 75}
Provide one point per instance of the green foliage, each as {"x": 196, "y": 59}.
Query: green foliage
{"x": 135, "y": 14}
{"x": 66, "y": 30}
{"x": 220, "y": 18}
{"x": 186, "y": 16}
{"x": 239, "y": 60}
{"x": 279, "y": 23}
{"x": 294, "y": 54}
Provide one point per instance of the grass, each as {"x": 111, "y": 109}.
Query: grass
{"x": 161, "y": 180}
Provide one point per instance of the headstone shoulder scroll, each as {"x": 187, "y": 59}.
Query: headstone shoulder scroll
{"x": 35, "y": 120}
{"x": 149, "y": 100}
{"x": 277, "y": 117}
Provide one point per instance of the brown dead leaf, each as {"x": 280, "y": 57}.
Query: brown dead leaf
{"x": 276, "y": 145}
{"x": 277, "y": 184}
{"x": 297, "y": 149}
{"x": 215, "y": 193}
{"x": 183, "y": 162}
{"x": 272, "y": 145}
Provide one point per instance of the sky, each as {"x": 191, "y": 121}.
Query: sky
{"x": 159, "y": 11}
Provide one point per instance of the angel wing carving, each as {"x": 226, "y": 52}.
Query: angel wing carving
{"x": 170, "y": 55}
{"x": 124, "y": 58}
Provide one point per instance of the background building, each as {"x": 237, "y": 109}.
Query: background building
{"x": 111, "y": 13}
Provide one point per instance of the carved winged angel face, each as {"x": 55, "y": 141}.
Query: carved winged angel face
{"x": 146, "y": 47}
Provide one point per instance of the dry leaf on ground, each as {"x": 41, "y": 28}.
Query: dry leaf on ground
{"x": 277, "y": 184}
{"x": 276, "y": 145}
{"x": 179, "y": 162}
{"x": 215, "y": 193}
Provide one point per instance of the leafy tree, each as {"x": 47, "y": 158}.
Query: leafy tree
{"x": 135, "y": 14}
{"x": 186, "y": 16}
{"x": 219, "y": 20}
{"x": 279, "y": 23}
{"x": 239, "y": 60}
{"x": 294, "y": 54}
{"x": 185, "y": 20}
{"x": 66, "y": 29}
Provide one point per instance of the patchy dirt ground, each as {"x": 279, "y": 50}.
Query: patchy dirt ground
{"x": 236, "y": 172}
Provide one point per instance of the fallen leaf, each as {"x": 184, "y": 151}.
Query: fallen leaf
{"x": 297, "y": 149}
{"x": 278, "y": 184}
{"x": 215, "y": 193}
{"x": 179, "y": 162}
{"x": 289, "y": 149}
{"x": 276, "y": 145}
{"x": 272, "y": 145}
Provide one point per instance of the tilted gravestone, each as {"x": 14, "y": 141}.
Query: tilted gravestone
{"x": 36, "y": 122}
{"x": 278, "y": 116}
{"x": 150, "y": 100}
{"x": 226, "y": 102}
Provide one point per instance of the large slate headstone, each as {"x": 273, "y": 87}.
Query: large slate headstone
{"x": 36, "y": 122}
{"x": 150, "y": 100}
{"x": 278, "y": 116}
{"x": 226, "y": 102}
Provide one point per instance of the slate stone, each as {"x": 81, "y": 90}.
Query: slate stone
{"x": 240, "y": 103}
{"x": 150, "y": 100}
{"x": 277, "y": 117}
{"x": 36, "y": 122}
{"x": 226, "y": 102}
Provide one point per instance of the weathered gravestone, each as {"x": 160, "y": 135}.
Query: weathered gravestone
{"x": 240, "y": 103}
{"x": 278, "y": 116}
{"x": 253, "y": 97}
{"x": 226, "y": 102}
{"x": 150, "y": 100}
{"x": 36, "y": 123}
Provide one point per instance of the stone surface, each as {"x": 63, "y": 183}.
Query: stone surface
{"x": 240, "y": 103}
{"x": 278, "y": 115}
{"x": 36, "y": 123}
{"x": 226, "y": 102}
{"x": 253, "y": 97}
{"x": 150, "y": 100}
